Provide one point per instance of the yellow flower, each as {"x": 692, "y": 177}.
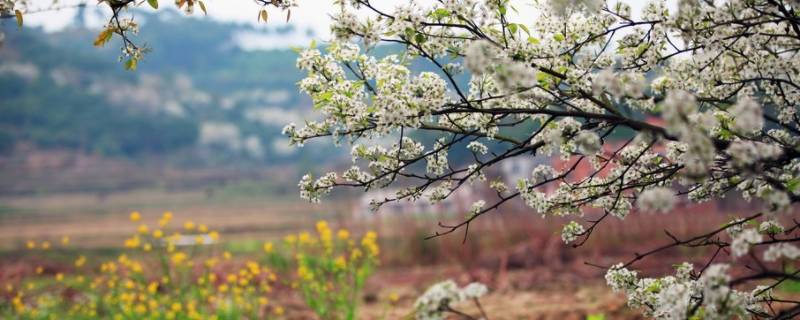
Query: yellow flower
{"x": 340, "y": 262}
{"x": 188, "y": 225}
{"x": 202, "y": 228}
{"x": 263, "y": 301}
{"x": 45, "y": 245}
{"x": 290, "y": 239}
{"x": 133, "y": 242}
{"x": 231, "y": 278}
{"x": 222, "y": 288}
{"x": 31, "y": 244}
{"x": 370, "y": 243}
{"x": 143, "y": 229}
{"x": 39, "y": 270}
{"x": 199, "y": 240}
{"x": 268, "y": 247}
{"x": 178, "y": 258}
{"x": 226, "y": 255}
{"x": 80, "y": 261}
{"x": 167, "y": 215}
{"x": 59, "y": 277}
{"x": 393, "y": 297}
{"x": 213, "y": 235}
{"x": 157, "y": 233}
{"x": 152, "y": 288}
{"x": 343, "y": 234}
{"x": 278, "y": 310}
{"x": 147, "y": 247}
{"x": 65, "y": 241}
{"x": 136, "y": 216}
{"x": 176, "y": 307}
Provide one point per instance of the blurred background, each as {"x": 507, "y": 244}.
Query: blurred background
{"x": 196, "y": 130}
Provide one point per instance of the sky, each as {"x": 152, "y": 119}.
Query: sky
{"x": 309, "y": 15}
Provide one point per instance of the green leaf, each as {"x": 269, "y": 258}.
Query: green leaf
{"x": 420, "y": 38}
{"x": 153, "y": 3}
{"x": 558, "y": 37}
{"x": 131, "y": 64}
{"x": 533, "y": 40}
{"x": 18, "y": 14}
{"x": 792, "y": 185}
{"x": 440, "y": 13}
{"x": 524, "y": 28}
{"x": 503, "y": 10}
{"x": 512, "y": 27}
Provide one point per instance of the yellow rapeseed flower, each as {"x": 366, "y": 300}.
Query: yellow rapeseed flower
{"x": 340, "y": 263}
{"x": 80, "y": 261}
{"x": 143, "y": 229}
{"x": 178, "y": 258}
{"x": 268, "y": 247}
{"x": 213, "y": 235}
{"x": 65, "y": 241}
{"x": 59, "y": 277}
{"x": 31, "y": 244}
{"x": 188, "y": 225}
{"x": 45, "y": 245}
{"x": 226, "y": 255}
{"x": 343, "y": 234}
{"x": 157, "y": 233}
{"x": 39, "y": 270}
{"x": 135, "y": 216}
{"x": 202, "y": 228}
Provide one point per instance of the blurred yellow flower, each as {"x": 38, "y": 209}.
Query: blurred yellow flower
{"x": 46, "y": 245}
{"x": 268, "y": 247}
{"x": 188, "y": 225}
{"x": 143, "y": 229}
{"x": 65, "y": 241}
{"x": 343, "y": 234}
{"x": 31, "y": 244}
{"x": 202, "y": 228}
{"x": 80, "y": 261}
{"x": 178, "y": 257}
{"x": 157, "y": 233}
{"x": 135, "y": 216}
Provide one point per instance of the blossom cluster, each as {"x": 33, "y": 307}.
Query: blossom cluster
{"x": 704, "y": 98}
{"x": 438, "y": 300}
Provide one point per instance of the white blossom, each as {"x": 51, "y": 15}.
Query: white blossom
{"x": 658, "y": 199}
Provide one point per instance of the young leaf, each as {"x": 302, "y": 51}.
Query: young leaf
{"x": 153, "y": 3}
{"x": 130, "y": 64}
{"x": 103, "y": 37}
{"x": 263, "y": 15}
{"x": 202, "y": 7}
{"x": 512, "y": 27}
{"x": 18, "y": 14}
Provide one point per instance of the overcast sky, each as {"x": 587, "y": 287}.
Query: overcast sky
{"x": 311, "y": 14}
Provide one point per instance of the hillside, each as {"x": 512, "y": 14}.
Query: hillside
{"x": 198, "y": 99}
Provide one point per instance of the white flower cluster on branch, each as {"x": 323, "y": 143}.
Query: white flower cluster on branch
{"x": 662, "y": 106}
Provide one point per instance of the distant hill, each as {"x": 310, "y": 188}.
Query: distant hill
{"x": 197, "y": 99}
